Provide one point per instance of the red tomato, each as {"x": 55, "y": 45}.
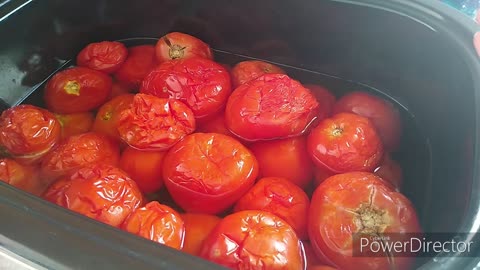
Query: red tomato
{"x": 153, "y": 123}
{"x": 208, "y": 172}
{"x": 270, "y": 107}
{"x": 21, "y": 176}
{"x": 197, "y": 228}
{"x": 280, "y": 197}
{"x": 157, "y": 222}
{"x": 198, "y": 82}
{"x": 78, "y": 151}
{"x": 325, "y": 98}
{"x": 215, "y": 124}
{"x": 75, "y": 123}
{"x": 106, "y": 56}
{"x": 28, "y": 132}
{"x": 287, "y": 158}
{"x": 345, "y": 142}
{"x": 100, "y": 191}
{"x": 382, "y": 113}
{"x": 319, "y": 175}
{"x": 312, "y": 258}
{"x": 389, "y": 170}
{"x": 320, "y": 267}
{"x": 108, "y": 116}
{"x": 249, "y": 70}
{"x": 254, "y": 240}
{"x": 358, "y": 202}
{"x": 77, "y": 89}
{"x": 178, "y": 45}
{"x": 144, "y": 167}
{"x": 119, "y": 89}
{"x": 140, "y": 61}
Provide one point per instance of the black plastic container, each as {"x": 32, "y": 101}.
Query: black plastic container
{"x": 419, "y": 54}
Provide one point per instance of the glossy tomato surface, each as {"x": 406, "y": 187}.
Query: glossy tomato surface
{"x": 157, "y": 222}
{"x": 208, "y": 172}
{"x": 102, "y": 192}
{"x": 77, "y": 89}
{"x": 108, "y": 116}
{"x": 325, "y": 98}
{"x": 345, "y": 142}
{"x": 389, "y": 170}
{"x": 75, "y": 123}
{"x": 214, "y": 124}
{"x": 272, "y": 106}
{"x": 358, "y": 202}
{"x": 178, "y": 45}
{"x": 249, "y": 70}
{"x": 140, "y": 61}
{"x": 21, "y": 176}
{"x": 106, "y": 56}
{"x": 197, "y": 228}
{"x": 254, "y": 240}
{"x": 280, "y": 197}
{"x": 202, "y": 84}
{"x": 153, "y": 123}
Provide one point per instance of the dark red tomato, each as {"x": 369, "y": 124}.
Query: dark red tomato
{"x": 208, "y": 172}
{"x": 287, "y": 158}
{"x": 140, "y": 61}
{"x": 197, "y": 228}
{"x": 198, "y": 82}
{"x": 254, "y": 240}
{"x": 106, "y": 56}
{"x": 325, "y": 98}
{"x": 280, "y": 197}
{"x": 359, "y": 202}
{"x": 145, "y": 167}
{"x": 76, "y": 90}
{"x": 389, "y": 170}
{"x": 320, "y": 267}
{"x": 153, "y": 123}
{"x": 311, "y": 256}
{"x": 215, "y": 124}
{"x": 75, "y": 123}
{"x": 157, "y": 222}
{"x": 382, "y": 113}
{"x": 319, "y": 175}
{"x": 345, "y": 142}
{"x": 28, "y": 132}
{"x": 108, "y": 116}
{"x": 102, "y": 192}
{"x": 249, "y": 70}
{"x": 21, "y": 176}
{"x": 272, "y": 106}
{"x": 119, "y": 89}
{"x": 178, "y": 45}
{"x": 78, "y": 151}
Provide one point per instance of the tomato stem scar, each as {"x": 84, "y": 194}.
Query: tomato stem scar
{"x": 337, "y": 132}
{"x": 72, "y": 88}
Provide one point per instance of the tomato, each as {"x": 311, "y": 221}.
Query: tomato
{"x": 140, "y": 61}
{"x": 102, "y": 192}
{"x": 178, "y": 45}
{"x": 324, "y": 97}
{"x": 197, "y": 228}
{"x": 320, "y": 267}
{"x": 270, "y": 107}
{"x": 28, "y": 132}
{"x": 78, "y": 151}
{"x": 389, "y": 170}
{"x": 287, "y": 158}
{"x": 208, "y": 172}
{"x": 21, "y": 176}
{"x": 280, "y": 197}
{"x": 345, "y": 142}
{"x": 153, "y": 123}
{"x": 144, "y": 167}
{"x": 358, "y": 202}
{"x": 382, "y": 113}
{"x": 108, "y": 116}
{"x": 157, "y": 222}
{"x": 119, "y": 89}
{"x": 75, "y": 123}
{"x": 198, "y": 82}
{"x": 249, "y": 70}
{"x": 76, "y": 90}
{"x": 254, "y": 240}
{"x": 106, "y": 56}
{"x": 215, "y": 124}
{"x": 320, "y": 174}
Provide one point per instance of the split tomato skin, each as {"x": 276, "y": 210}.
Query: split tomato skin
{"x": 140, "y": 61}
{"x": 197, "y": 228}
{"x": 75, "y": 123}
{"x": 108, "y": 116}
{"x": 246, "y": 71}
{"x": 21, "y": 176}
{"x": 105, "y": 56}
{"x": 178, "y": 45}
{"x": 208, "y": 172}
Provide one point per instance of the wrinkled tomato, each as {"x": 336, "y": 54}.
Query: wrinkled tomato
{"x": 106, "y": 56}
{"x": 108, "y": 116}
{"x": 178, "y": 45}
{"x": 249, "y": 70}
{"x": 75, "y": 123}
{"x": 140, "y": 61}
{"x": 21, "y": 176}
{"x": 197, "y": 228}
{"x": 325, "y": 98}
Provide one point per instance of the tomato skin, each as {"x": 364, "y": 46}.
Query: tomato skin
{"x": 384, "y": 116}
{"x": 76, "y": 90}
{"x": 202, "y": 84}
{"x": 280, "y": 197}
{"x": 75, "y": 123}
{"x": 319, "y": 175}
{"x": 105, "y": 56}
{"x": 119, "y": 89}
{"x": 108, "y": 116}
{"x": 287, "y": 158}
{"x": 320, "y": 267}
{"x": 102, "y": 192}
{"x": 345, "y": 142}
{"x": 325, "y": 98}
{"x": 21, "y": 176}
{"x": 153, "y": 123}
{"x": 140, "y": 61}
{"x": 249, "y": 70}
{"x": 214, "y": 124}
{"x": 207, "y": 172}
{"x": 389, "y": 170}
{"x": 272, "y": 106}
{"x": 338, "y": 209}
{"x": 254, "y": 240}
{"x": 145, "y": 167}
{"x": 178, "y": 45}
{"x": 157, "y": 222}
{"x": 28, "y": 132}
{"x": 197, "y": 228}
